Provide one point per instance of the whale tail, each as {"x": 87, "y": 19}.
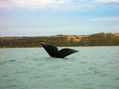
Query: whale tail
{"x": 53, "y": 51}
{"x": 66, "y": 51}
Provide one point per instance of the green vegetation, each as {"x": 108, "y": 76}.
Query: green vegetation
{"x": 99, "y": 39}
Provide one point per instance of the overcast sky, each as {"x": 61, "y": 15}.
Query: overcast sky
{"x": 52, "y": 17}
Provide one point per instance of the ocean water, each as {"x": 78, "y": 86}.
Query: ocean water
{"x": 32, "y": 68}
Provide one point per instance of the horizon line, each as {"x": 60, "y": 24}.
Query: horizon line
{"x": 55, "y": 35}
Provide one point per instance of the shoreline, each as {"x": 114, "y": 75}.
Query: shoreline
{"x": 60, "y": 46}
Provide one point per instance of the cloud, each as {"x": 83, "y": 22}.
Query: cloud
{"x": 31, "y": 3}
{"x": 105, "y": 19}
{"x": 55, "y": 4}
{"x": 46, "y": 4}
{"x": 107, "y": 1}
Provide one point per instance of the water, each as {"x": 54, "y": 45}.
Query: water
{"x": 32, "y": 68}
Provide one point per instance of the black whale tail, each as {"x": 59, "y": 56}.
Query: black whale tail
{"x": 53, "y": 51}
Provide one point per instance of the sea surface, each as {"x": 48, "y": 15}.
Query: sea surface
{"x": 33, "y": 68}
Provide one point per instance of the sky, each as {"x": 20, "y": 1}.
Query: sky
{"x": 53, "y": 17}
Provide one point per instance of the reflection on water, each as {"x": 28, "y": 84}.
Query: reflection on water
{"x": 32, "y": 68}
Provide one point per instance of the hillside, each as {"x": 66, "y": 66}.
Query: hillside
{"x": 99, "y": 39}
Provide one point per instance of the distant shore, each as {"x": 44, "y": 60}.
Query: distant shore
{"x": 98, "y": 39}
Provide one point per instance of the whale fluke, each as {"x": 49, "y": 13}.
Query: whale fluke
{"x": 53, "y": 51}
